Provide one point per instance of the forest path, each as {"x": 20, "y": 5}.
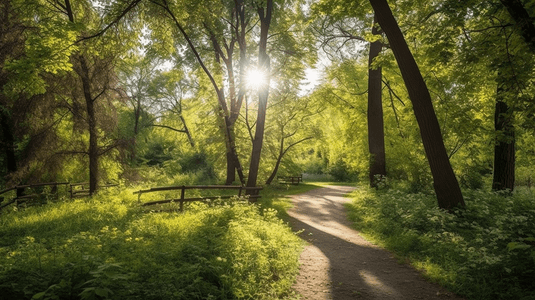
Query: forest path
{"x": 339, "y": 264}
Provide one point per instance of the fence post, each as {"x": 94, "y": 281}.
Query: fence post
{"x": 182, "y": 194}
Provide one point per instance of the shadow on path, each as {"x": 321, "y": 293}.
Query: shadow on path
{"x": 339, "y": 264}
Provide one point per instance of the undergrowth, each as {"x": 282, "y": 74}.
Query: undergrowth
{"x": 105, "y": 247}
{"x": 485, "y": 251}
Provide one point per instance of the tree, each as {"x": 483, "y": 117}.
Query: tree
{"x": 265, "y": 14}
{"x": 376, "y": 142}
{"x": 93, "y": 65}
{"x": 32, "y": 49}
{"x": 290, "y": 125}
{"x": 349, "y": 28}
{"x": 445, "y": 183}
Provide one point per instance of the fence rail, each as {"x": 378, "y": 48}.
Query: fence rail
{"x": 253, "y": 194}
{"x": 22, "y": 197}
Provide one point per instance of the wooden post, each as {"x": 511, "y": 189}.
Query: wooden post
{"x": 54, "y": 191}
{"x": 182, "y": 194}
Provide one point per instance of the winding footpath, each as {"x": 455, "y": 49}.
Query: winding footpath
{"x": 339, "y": 264}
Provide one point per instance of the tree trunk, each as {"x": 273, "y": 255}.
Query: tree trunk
{"x": 504, "y": 148}
{"x": 190, "y": 139}
{"x": 231, "y": 168}
{"x": 8, "y": 143}
{"x": 445, "y": 183}
{"x": 92, "y": 126}
{"x": 376, "y": 141}
{"x": 137, "y": 115}
{"x": 263, "y": 94}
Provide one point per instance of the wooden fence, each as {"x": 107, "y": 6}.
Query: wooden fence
{"x": 252, "y": 195}
{"x": 21, "y": 197}
{"x": 75, "y": 190}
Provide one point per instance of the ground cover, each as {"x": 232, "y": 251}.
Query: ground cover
{"x": 107, "y": 248}
{"x": 486, "y": 251}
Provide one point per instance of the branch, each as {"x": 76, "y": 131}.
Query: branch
{"x": 392, "y": 91}
{"x": 117, "y": 19}
{"x": 457, "y": 147}
{"x": 293, "y": 144}
{"x": 168, "y": 127}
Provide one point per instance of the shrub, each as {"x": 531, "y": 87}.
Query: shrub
{"x": 486, "y": 251}
{"x": 106, "y": 248}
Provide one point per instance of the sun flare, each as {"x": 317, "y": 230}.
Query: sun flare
{"x": 256, "y": 79}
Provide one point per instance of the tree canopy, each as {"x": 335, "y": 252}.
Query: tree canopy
{"x": 433, "y": 96}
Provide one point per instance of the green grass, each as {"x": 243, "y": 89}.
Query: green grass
{"x": 486, "y": 251}
{"x": 106, "y": 247}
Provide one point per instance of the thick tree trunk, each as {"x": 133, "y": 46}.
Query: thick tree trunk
{"x": 504, "y": 148}
{"x": 263, "y": 94}
{"x": 445, "y": 183}
{"x": 376, "y": 141}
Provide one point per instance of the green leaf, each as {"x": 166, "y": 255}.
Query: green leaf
{"x": 39, "y": 295}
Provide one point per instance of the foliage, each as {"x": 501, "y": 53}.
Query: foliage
{"x": 486, "y": 251}
{"x": 106, "y": 248}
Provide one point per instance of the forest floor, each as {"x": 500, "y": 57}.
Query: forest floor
{"x": 338, "y": 263}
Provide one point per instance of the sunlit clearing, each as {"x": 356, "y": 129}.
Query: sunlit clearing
{"x": 255, "y": 79}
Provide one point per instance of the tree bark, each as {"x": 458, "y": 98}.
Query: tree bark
{"x": 376, "y": 141}
{"x": 445, "y": 183}
{"x": 504, "y": 148}
{"x": 263, "y": 94}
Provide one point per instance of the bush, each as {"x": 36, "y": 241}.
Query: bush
{"x": 106, "y": 248}
{"x": 486, "y": 251}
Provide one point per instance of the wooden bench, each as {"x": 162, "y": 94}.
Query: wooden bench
{"x": 253, "y": 194}
{"x": 295, "y": 180}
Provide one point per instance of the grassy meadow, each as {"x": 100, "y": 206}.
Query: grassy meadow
{"x": 107, "y": 247}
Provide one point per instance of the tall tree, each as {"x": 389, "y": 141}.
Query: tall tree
{"x": 376, "y": 141}
{"x": 94, "y": 66}
{"x": 265, "y": 14}
{"x": 444, "y": 181}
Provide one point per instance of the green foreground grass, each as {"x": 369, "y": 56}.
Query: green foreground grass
{"x": 486, "y": 251}
{"x": 106, "y": 247}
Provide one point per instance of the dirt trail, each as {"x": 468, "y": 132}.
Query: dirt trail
{"x": 339, "y": 264}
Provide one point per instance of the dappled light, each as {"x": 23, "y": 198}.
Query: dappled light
{"x": 147, "y": 149}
